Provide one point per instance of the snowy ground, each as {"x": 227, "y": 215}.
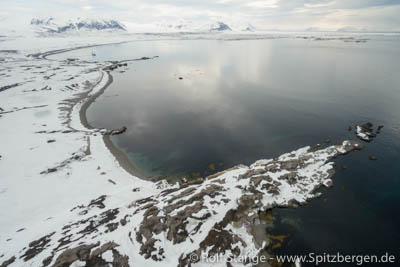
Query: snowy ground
{"x": 65, "y": 200}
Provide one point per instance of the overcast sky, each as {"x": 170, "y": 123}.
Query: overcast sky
{"x": 268, "y": 14}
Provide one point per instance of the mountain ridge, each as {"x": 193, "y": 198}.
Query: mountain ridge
{"x": 50, "y": 25}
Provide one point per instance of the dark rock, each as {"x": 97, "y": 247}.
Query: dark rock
{"x": 365, "y": 132}
{"x": 290, "y": 164}
{"x": 37, "y": 246}
{"x": 180, "y": 78}
{"x": 46, "y": 88}
{"x": 112, "y": 226}
{"x": 102, "y": 219}
{"x": 51, "y": 141}
{"x": 367, "y": 126}
{"x": 98, "y": 202}
{"x": 69, "y": 256}
{"x": 8, "y": 262}
{"x": 96, "y": 258}
{"x": 273, "y": 190}
{"x": 378, "y": 130}
{"x": 6, "y": 87}
{"x": 119, "y": 131}
{"x": 50, "y": 170}
{"x": 111, "y": 181}
{"x": 291, "y": 177}
{"x": 47, "y": 261}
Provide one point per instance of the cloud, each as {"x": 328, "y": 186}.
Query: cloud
{"x": 263, "y": 4}
{"x": 268, "y": 14}
{"x": 87, "y": 7}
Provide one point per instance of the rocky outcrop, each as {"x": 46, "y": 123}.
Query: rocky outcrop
{"x": 183, "y": 224}
{"x": 8, "y": 262}
{"x": 91, "y": 255}
{"x": 113, "y": 132}
{"x": 366, "y": 132}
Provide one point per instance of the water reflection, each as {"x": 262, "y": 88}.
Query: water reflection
{"x": 204, "y": 102}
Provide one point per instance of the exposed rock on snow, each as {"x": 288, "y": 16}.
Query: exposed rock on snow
{"x": 366, "y": 133}
{"x": 123, "y": 63}
{"x": 6, "y": 87}
{"x": 113, "y": 132}
{"x": 8, "y": 262}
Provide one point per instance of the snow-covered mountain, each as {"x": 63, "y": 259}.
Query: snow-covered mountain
{"x": 191, "y": 27}
{"x": 219, "y": 27}
{"x": 49, "y": 26}
{"x": 249, "y": 28}
{"x": 243, "y": 27}
{"x": 180, "y": 26}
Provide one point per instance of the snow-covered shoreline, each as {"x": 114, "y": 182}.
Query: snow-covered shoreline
{"x": 83, "y": 124}
{"x": 48, "y": 156}
{"x": 66, "y": 200}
